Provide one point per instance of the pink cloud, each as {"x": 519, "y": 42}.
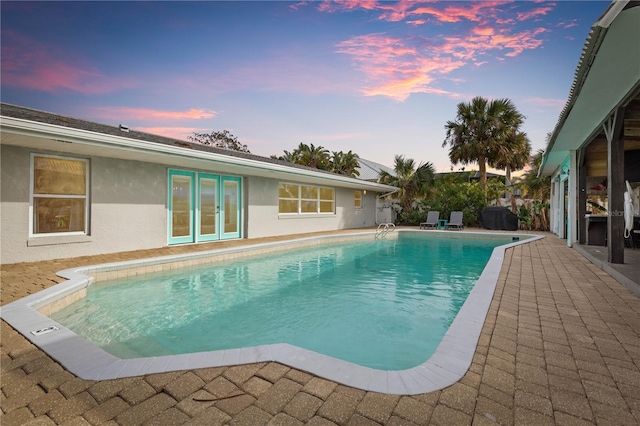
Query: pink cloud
{"x": 413, "y": 11}
{"x": 151, "y": 115}
{"x": 471, "y": 11}
{"x": 397, "y": 67}
{"x": 565, "y": 25}
{"x": 34, "y": 65}
{"x": 541, "y": 11}
{"x": 337, "y": 5}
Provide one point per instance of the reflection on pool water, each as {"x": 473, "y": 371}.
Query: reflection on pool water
{"x": 384, "y": 304}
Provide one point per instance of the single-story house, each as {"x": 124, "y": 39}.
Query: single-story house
{"x": 72, "y": 187}
{"x": 595, "y": 147}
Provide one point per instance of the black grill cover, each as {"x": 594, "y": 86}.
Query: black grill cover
{"x": 499, "y": 218}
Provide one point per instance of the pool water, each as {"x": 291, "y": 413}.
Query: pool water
{"x": 384, "y": 304}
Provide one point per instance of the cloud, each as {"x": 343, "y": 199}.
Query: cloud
{"x": 393, "y": 67}
{"x": 540, "y": 11}
{"x": 472, "y": 34}
{"x": 420, "y": 12}
{"x": 569, "y": 24}
{"x": 151, "y": 115}
{"x": 397, "y": 67}
{"x": 470, "y": 47}
{"x": 30, "y": 64}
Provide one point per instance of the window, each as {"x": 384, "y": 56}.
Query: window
{"x": 288, "y": 198}
{"x": 357, "y": 199}
{"x": 305, "y": 199}
{"x": 59, "y": 195}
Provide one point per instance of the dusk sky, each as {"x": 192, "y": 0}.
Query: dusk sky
{"x": 376, "y": 77}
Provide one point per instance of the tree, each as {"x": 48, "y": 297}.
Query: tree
{"x": 534, "y": 186}
{"x": 345, "y": 163}
{"x": 312, "y": 156}
{"x": 413, "y": 181}
{"x": 478, "y": 131}
{"x": 289, "y": 157}
{"x": 537, "y": 188}
{"x": 223, "y": 139}
{"x": 513, "y": 154}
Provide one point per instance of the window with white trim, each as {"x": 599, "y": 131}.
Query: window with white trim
{"x": 59, "y": 195}
{"x": 305, "y": 199}
{"x": 357, "y": 199}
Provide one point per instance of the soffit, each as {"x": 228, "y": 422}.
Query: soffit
{"x": 608, "y": 79}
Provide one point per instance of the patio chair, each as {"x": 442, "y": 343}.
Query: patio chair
{"x": 455, "y": 221}
{"x": 432, "y": 220}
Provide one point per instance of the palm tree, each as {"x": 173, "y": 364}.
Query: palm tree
{"x": 537, "y": 188}
{"x": 345, "y": 163}
{"x": 312, "y": 156}
{"x": 534, "y": 186}
{"x": 478, "y": 130}
{"x": 512, "y": 154}
{"x": 289, "y": 157}
{"x": 413, "y": 181}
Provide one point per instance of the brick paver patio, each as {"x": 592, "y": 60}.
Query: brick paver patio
{"x": 561, "y": 345}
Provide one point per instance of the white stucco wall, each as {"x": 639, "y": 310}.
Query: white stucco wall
{"x": 263, "y": 219}
{"x": 127, "y": 209}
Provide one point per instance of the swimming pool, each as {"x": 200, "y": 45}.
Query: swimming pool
{"x": 415, "y": 374}
{"x": 383, "y": 304}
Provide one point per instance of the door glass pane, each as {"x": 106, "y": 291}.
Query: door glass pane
{"x": 180, "y": 206}
{"x": 207, "y": 206}
{"x": 230, "y": 207}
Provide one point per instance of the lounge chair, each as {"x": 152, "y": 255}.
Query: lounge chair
{"x": 432, "y": 220}
{"x": 455, "y": 221}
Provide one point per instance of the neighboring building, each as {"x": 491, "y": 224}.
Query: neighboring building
{"x": 370, "y": 171}
{"x": 595, "y": 147}
{"x": 72, "y": 187}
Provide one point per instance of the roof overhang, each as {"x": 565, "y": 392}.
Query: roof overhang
{"x": 31, "y": 134}
{"x": 606, "y": 78}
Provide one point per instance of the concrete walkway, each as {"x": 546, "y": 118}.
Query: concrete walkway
{"x": 561, "y": 345}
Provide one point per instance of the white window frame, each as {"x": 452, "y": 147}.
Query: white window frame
{"x": 357, "y": 195}
{"x": 33, "y": 196}
{"x": 300, "y": 199}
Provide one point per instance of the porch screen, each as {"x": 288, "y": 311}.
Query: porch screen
{"x": 59, "y": 195}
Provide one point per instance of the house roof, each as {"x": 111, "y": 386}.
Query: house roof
{"x": 606, "y": 78}
{"x": 40, "y": 124}
{"x": 370, "y": 170}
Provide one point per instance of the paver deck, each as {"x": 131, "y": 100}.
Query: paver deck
{"x": 561, "y": 345}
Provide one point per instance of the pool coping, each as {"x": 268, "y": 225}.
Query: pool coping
{"x": 447, "y": 365}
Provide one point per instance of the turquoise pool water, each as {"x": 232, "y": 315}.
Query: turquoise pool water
{"x": 381, "y": 304}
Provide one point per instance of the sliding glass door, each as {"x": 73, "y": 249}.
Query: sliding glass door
{"x": 203, "y": 207}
